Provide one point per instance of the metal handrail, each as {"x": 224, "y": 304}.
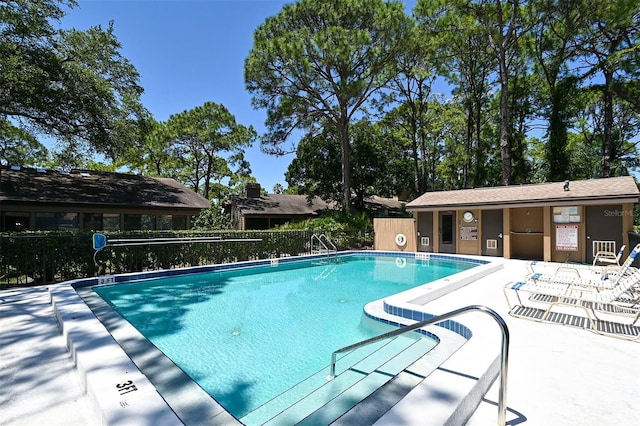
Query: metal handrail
{"x": 319, "y": 238}
{"x": 504, "y": 354}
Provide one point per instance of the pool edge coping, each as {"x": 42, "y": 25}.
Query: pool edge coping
{"x": 98, "y": 378}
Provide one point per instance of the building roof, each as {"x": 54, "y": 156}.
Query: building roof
{"x": 88, "y": 187}
{"x": 593, "y": 191}
{"x": 280, "y": 204}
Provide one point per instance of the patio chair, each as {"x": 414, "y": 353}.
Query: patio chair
{"x": 586, "y": 275}
{"x": 622, "y": 300}
{"x": 608, "y": 257}
{"x": 603, "y": 246}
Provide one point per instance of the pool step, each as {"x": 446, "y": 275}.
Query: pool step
{"x": 359, "y": 374}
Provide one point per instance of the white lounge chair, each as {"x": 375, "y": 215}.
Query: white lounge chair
{"x": 585, "y": 275}
{"x": 621, "y": 300}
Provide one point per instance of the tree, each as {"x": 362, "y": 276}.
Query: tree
{"x": 503, "y": 22}
{"x": 156, "y": 156}
{"x": 611, "y": 50}
{"x": 463, "y": 57}
{"x": 554, "y": 48}
{"x": 379, "y": 166}
{"x": 201, "y": 137}
{"x": 586, "y": 147}
{"x": 72, "y": 85}
{"x": 409, "y": 93}
{"x": 19, "y": 148}
{"x": 321, "y": 61}
{"x": 316, "y": 170}
{"x": 212, "y": 218}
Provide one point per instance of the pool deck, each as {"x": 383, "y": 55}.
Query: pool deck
{"x": 558, "y": 375}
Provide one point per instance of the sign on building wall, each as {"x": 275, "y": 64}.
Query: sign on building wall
{"x": 568, "y": 214}
{"x": 468, "y": 232}
{"x": 567, "y": 237}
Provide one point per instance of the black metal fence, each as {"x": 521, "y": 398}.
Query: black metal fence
{"x": 31, "y": 259}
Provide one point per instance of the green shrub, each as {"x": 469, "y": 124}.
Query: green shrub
{"x": 45, "y": 257}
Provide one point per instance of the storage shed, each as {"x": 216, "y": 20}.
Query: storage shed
{"x": 557, "y": 221}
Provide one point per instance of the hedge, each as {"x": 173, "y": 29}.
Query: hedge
{"x": 47, "y": 257}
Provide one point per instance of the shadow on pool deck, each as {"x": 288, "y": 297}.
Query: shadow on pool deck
{"x": 557, "y": 374}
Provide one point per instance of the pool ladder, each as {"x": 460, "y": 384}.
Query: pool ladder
{"x": 324, "y": 244}
{"x": 504, "y": 353}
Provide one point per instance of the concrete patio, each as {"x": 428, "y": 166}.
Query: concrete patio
{"x": 558, "y": 375}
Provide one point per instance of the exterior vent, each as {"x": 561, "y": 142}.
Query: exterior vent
{"x": 492, "y": 244}
{"x": 424, "y": 241}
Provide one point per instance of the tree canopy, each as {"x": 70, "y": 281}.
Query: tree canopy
{"x": 462, "y": 94}
{"x": 197, "y": 147}
{"x": 319, "y": 62}
{"x": 74, "y": 86}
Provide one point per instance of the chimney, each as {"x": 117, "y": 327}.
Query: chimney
{"x": 252, "y": 190}
{"x": 402, "y": 195}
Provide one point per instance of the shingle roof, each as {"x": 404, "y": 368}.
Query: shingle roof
{"x": 616, "y": 189}
{"x": 95, "y": 187}
{"x": 281, "y": 204}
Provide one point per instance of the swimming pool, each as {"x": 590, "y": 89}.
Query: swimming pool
{"x": 252, "y": 312}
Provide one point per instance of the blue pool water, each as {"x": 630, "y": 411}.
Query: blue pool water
{"x": 246, "y": 335}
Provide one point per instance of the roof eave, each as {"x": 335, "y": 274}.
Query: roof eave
{"x": 627, "y": 198}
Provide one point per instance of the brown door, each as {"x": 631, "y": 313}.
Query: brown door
{"x": 447, "y": 225}
{"x": 425, "y": 231}
{"x": 492, "y": 233}
{"x": 604, "y": 223}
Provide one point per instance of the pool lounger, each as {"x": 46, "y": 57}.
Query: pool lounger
{"x": 621, "y": 302}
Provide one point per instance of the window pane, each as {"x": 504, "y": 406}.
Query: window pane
{"x": 148, "y": 222}
{"x": 164, "y": 222}
{"x": 179, "y": 222}
{"x": 111, "y": 222}
{"x": 15, "y": 221}
{"x": 447, "y": 229}
{"x": 45, "y": 222}
{"x": 132, "y": 222}
{"x": 68, "y": 221}
{"x": 92, "y": 221}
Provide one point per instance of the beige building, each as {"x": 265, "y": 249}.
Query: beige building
{"x": 549, "y": 221}
{"x": 255, "y": 210}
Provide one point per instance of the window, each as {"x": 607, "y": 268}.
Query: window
{"x": 132, "y": 222}
{"x": 14, "y": 221}
{"x": 92, "y": 221}
{"x": 68, "y": 221}
{"x": 148, "y": 222}
{"x": 179, "y": 222}
{"x": 45, "y": 222}
{"x": 111, "y": 222}
{"x": 57, "y": 221}
{"x": 164, "y": 222}
{"x": 447, "y": 228}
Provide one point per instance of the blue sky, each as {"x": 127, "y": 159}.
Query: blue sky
{"x": 189, "y": 52}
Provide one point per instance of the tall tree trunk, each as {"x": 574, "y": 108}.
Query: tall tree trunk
{"x": 505, "y": 144}
{"x": 607, "y": 143}
{"x": 556, "y": 147}
{"x": 345, "y": 157}
{"x": 468, "y": 181}
{"x": 415, "y": 152}
{"x": 480, "y": 175}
